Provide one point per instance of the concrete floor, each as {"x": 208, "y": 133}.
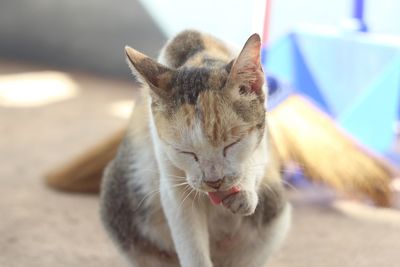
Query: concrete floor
{"x": 40, "y": 227}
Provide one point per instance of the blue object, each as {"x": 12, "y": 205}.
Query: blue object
{"x": 355, "y": 78}
{"x": 358, "y": 10}
{"x": 279, "y": 93}
{"x": 273, "y": 85}
{"x": 358, "y": 15}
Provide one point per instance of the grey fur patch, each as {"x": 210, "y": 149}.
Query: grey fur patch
{"x": 228, "y": 66}
{"x": 117, "y": 212}
{"x": 215, "y": 63}
{"x": 183, "y": 46}
{"x": 188, "y": 83}
{"x": 251, "y": 111}
{"x": 122, "y": 209}
{"x": 270, "y": 204}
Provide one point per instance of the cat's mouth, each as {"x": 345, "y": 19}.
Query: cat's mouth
{"x": 218, "y": 196}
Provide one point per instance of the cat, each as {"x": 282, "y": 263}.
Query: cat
{"x": 195, "y": 182}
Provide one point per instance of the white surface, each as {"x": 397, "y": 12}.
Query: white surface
{"x": 231, "y": 20}
{"x": 235, "y": 20}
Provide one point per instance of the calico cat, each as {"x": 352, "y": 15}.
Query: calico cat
{"x": 195, "y": 182}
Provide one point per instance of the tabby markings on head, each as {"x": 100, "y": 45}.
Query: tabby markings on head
{"x": 202, "y": 84}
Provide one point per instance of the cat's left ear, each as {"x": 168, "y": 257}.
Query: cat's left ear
{"x": 149, "y": 71}
{"x": 246, "y": 74}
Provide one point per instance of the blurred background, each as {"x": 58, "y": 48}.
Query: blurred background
{"x": 65, "y": 86}
{"x": 69, "y": 34}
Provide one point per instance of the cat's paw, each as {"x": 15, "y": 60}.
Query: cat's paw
{"x": 243, "y": 202}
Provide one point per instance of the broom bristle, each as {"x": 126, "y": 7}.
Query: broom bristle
{"x": 303, "y": 134}
{"x": 84, "y": 173}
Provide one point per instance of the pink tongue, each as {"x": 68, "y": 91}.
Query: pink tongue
{"x": 217, "y": 197}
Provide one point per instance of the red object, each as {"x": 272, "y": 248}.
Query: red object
{"x": 267, "y": 22}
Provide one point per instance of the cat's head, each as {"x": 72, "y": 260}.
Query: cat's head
{"x": 210, "y": 121}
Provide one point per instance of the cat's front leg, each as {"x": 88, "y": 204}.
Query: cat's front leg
{"x": 270, "y": 223}
{"x": 264, "y": 230}
{"x": 188, "y": 227}
{"x": 273, "y": 235}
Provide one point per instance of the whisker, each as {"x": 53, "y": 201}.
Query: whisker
{"x": 180, "y": 184}
{"x": 188, "y": 194}
{"x": 154, "y": 192}
{"x": 194, "y": 198}
{"x": 290, "y": 185}
{"x": 168, "y": 175}
{"x": 151, "y": 193}
{"x": 260, "y": 164}
{"x": 269, "y": 188}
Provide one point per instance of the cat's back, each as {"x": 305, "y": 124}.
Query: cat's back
{"x": 195, "y": 49}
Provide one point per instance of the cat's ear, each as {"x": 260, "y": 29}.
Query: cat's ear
{"x": 148, "y": 71}
{"x": 246, "y": 74}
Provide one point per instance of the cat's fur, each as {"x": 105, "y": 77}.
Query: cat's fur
{"x": 201, "y": 119}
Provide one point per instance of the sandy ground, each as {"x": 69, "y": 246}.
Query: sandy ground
{"x": 40, "y": 227}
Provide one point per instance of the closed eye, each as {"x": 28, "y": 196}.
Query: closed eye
{"x": 192, "y": 154}
{"x": 229, "y": 146}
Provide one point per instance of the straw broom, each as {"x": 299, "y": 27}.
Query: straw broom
{"x": 83, "y": 174}
{"x": 299, "y": 132}
{"x": 304, "y": 135}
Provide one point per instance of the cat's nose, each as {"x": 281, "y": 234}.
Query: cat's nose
{"x": 216, "y": 184}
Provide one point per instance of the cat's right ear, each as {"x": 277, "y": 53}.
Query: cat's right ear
{"x": 148, "y": 71}
{"x": 245, "y": 72}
